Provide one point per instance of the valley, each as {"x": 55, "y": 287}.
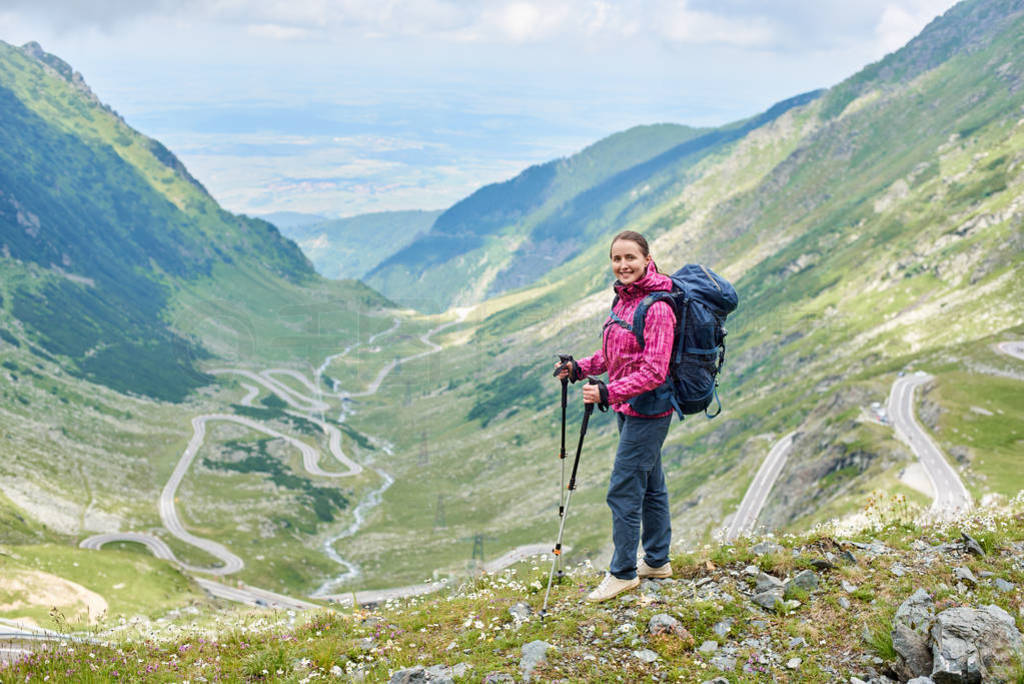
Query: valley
{"x": 185, "y": 377}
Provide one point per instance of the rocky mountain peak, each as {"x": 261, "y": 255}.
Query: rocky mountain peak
{"x": 59, "y": 67}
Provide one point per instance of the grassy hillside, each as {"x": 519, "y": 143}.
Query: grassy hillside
{"x": 880, "y": 237}
{"x": 701, "y": 624}
{"x": 99, "y": 224}
{"x": 867, "y": 235}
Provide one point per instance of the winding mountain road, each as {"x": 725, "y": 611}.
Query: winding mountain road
{"x": 951, "y": 496}
{"x": 757, "y": 493}
{"x": 1014, "y": 349}
{"x": 307, "y": 405}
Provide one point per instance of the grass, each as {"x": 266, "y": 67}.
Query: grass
{"x": 131, "y": 583}
{"x": 471, "y": 624}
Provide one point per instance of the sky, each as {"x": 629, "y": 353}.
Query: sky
{"x": 351, "y": 106}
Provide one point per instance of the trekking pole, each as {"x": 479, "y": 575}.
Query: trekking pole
{"x": 565, "y": 359}
{"x": 568, "y": 497}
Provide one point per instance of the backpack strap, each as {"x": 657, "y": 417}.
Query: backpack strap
{"x": 640, "y": 315}
{"x": 615, "y": 318}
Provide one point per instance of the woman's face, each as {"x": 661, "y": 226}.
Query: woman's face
{"x": 628, "y": 263}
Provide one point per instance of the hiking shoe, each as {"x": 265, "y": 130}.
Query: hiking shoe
{"x": 647, "y": 572}
{"x": 611, "y": 586}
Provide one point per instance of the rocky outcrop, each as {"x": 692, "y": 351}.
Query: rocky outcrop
{"x": 960, "y": 645}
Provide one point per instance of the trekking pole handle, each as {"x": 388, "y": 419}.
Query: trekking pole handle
{"x": 565, "y": 360}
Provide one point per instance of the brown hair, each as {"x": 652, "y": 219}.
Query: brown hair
{"x": 632, "y": 236}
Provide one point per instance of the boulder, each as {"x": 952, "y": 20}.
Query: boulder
{"x": 646, "y": 655}
{"x": 769, "y": 600}
{"x": 915, "y": 657}
{"x": 916, "y": 612}
{"x": 973, "y": 644}
{"x": 766, "y": 582}
{"x": 970, "y": 545}
{"x": 764, "y": 547}
{"x": 520, "y": 611}
{"x": 806, "y": 580}
{"x": 534, "y": 655}
{"x": 418, "y": 674}
{"x": 965, "y": 575}
{"x": 663, "y": 623}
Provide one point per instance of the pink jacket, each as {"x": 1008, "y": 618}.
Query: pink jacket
{"x": 630, "y": 370}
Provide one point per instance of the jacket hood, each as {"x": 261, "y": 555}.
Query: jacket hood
{"x": 652, "y": 281}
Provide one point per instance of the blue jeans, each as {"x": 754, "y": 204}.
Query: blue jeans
{"x": 637, "y": 494}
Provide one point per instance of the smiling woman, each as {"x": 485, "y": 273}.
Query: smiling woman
{"x": 637, "y": 494}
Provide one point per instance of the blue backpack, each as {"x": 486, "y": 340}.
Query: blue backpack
{"x": 701, "y": 300}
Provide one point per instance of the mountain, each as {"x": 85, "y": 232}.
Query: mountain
{"x": 350, "y": 247}
{"x": 866, "y": 236}
{"x": 871, "y": 230}
{"x": 98, "y": 223}
{"x": 129, "y": 302}
{"x": 507, "y": 235}
{"x": 291, "y": 219}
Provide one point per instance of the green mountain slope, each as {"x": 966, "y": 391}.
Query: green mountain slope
{"x": 350, "y": 247}
{"x": 125, "y": 290}
{"x": 98, "y": 222}
{"x": 865, "y": 238}
{"x": 457, "y": 260}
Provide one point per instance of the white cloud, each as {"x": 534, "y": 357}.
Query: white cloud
{"x": 899, "y": 22}
{"x": 277, "y": 32}
{"x": 682, "y": 25}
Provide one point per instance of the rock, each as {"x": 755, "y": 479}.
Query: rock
{"x": 916, "y": 612}
{"x": 769, "y": 600}
{"x": 898, "y": 569}
{"x": 751, "y": 571}
{"x": 726, "y": 663}
{"x": 791, "y": 604}
{"x": 822, "y": 564}
{"x": 848, "y": 556}
{"x": 520, "y": 611}
{"x": 461, "y": 669}
{"x": 716, "y": 680}
{"x": 844, "y": 602}
{"x": 793, "y": 663}
{"x": 436, "y": 674}
{"x": 497, "y": 678}
{"x": 646, "y": 655}
{"x": 761, "y": 548}
{"x": 365, "y": 644}
{"x": 666, "y": 624}
{"x": 439, "y": 673}
{"x": 649, "y": 589}
{"x": 1002, "y": 585}
{"x": 766, "y": 582}
{"x": 806, "y": 580}
{"x": 965, "y": 574}
{"x": 848, "y": 587}
{"x": 970, "y": 545}
{"x": 708, "y": 646}
{"x": 915, "y": 657}
{"x": 921, "y": 680}
{"x": 534, "y": 655}
{"x": 797, "y": 642}
{"x": 968, "y": 644}
{"x": 722, "y": 627}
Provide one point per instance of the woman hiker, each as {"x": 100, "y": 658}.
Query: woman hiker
{"x": 637, "y": 494}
